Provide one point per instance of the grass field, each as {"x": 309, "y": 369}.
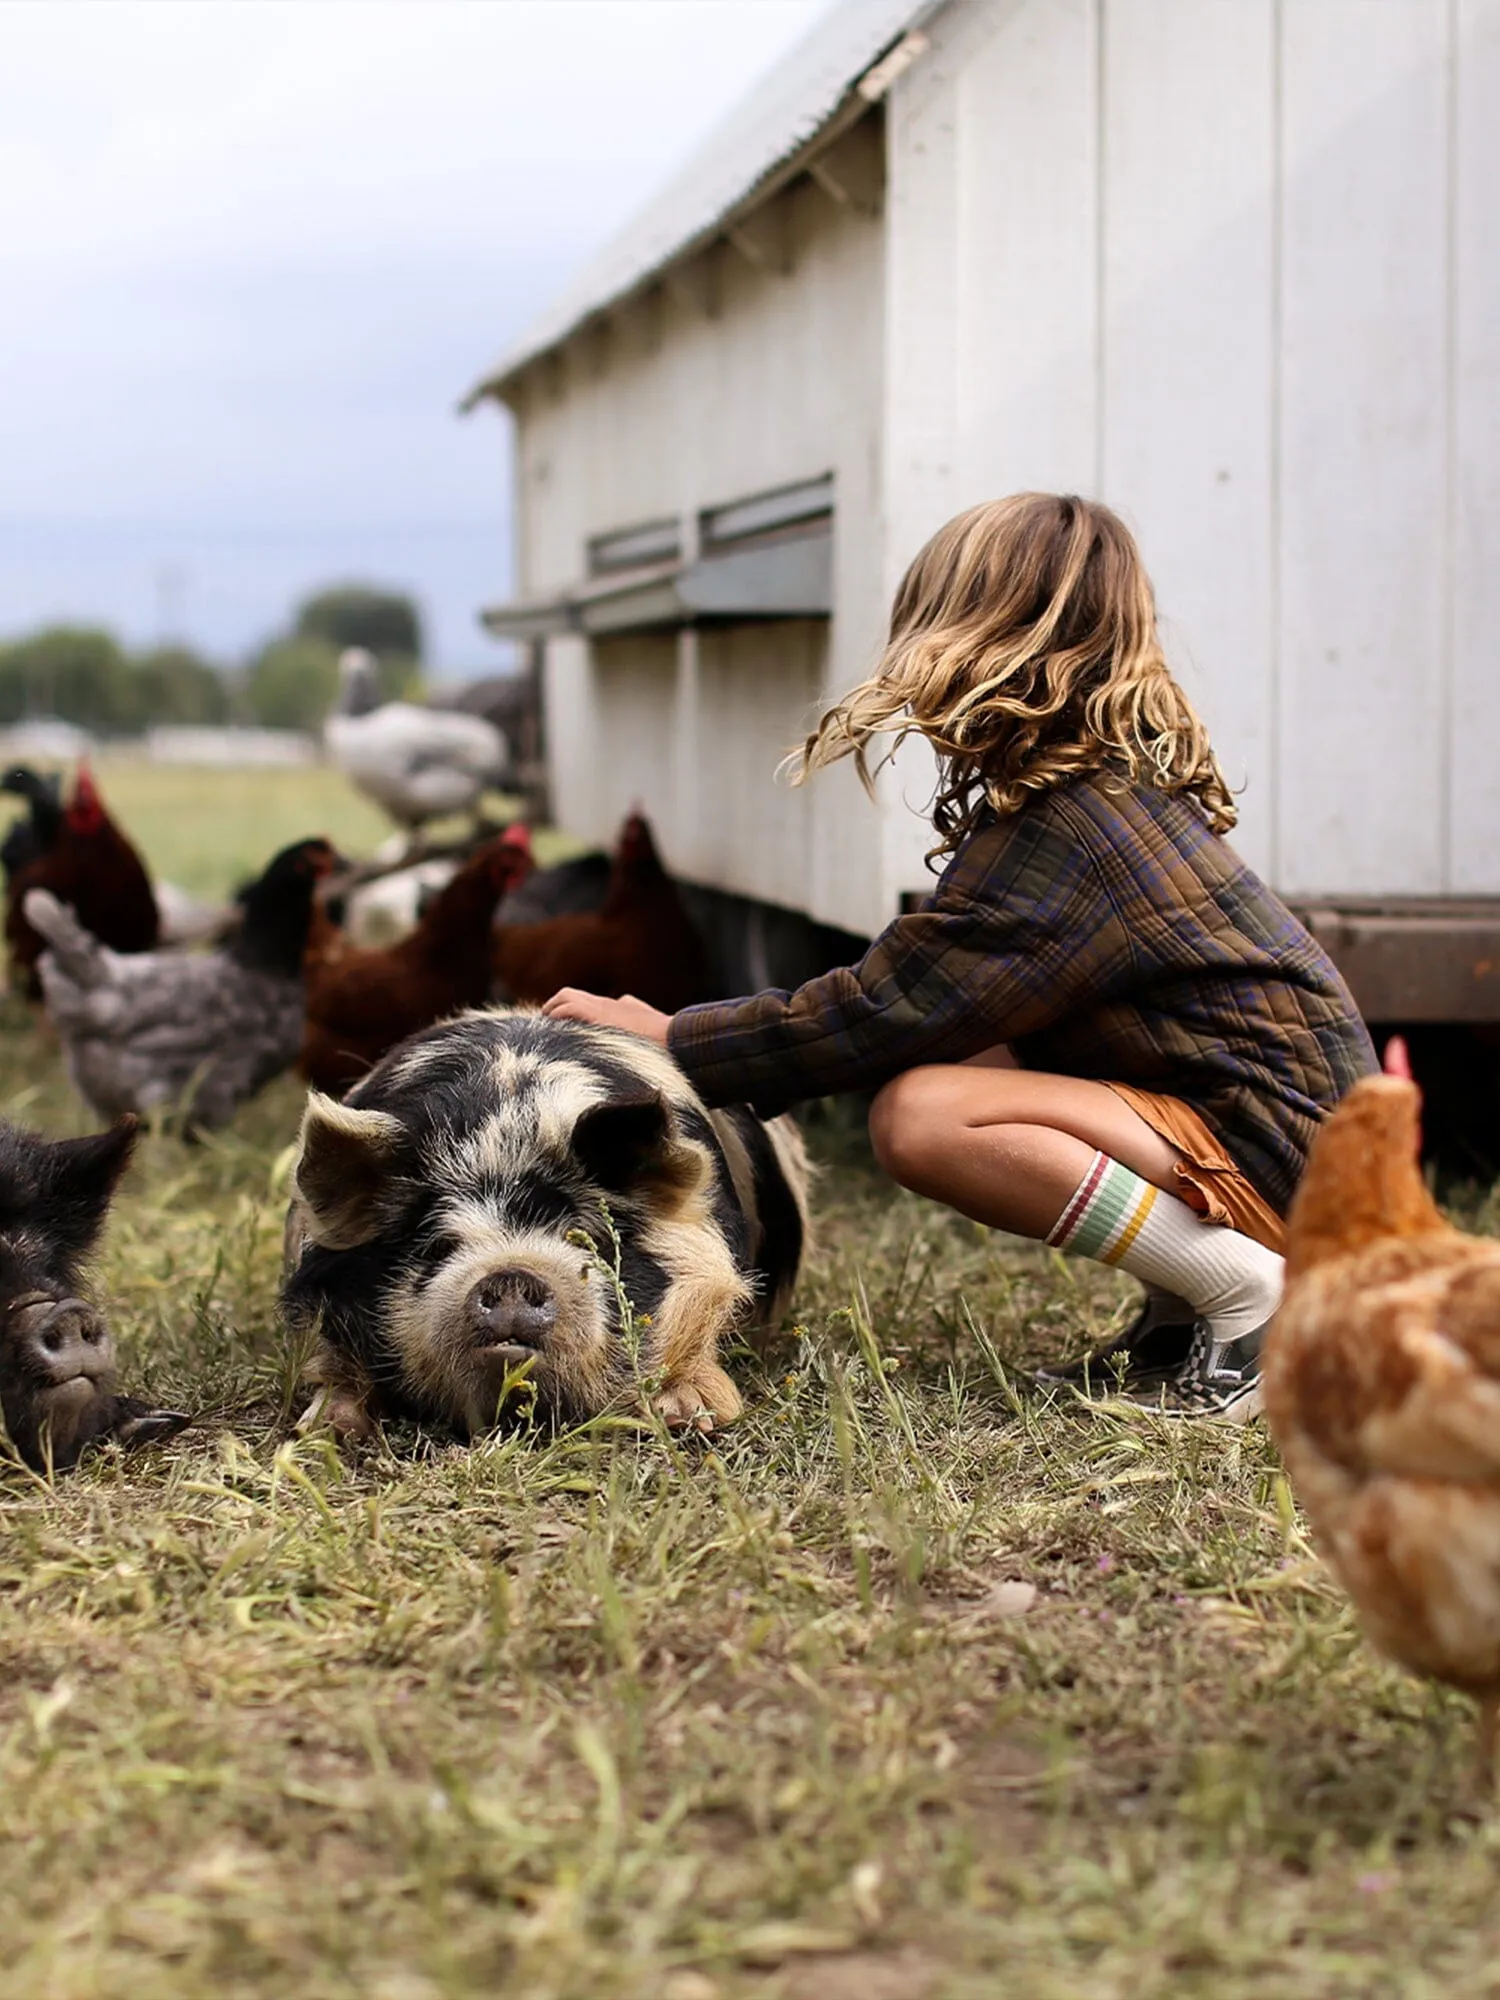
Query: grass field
{"x": 210, "y": 830}
{"x": 906, "y": 1687}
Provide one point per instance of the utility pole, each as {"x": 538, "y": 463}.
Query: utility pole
{"x": 171, "y": 595}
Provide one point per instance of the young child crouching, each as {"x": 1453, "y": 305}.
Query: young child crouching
{"x": 1102, "y": 1030}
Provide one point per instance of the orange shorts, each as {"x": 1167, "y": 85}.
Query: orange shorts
{"x": 1207, "y": 1179}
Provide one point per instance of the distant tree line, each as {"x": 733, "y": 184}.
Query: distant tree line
{"x": 86, "y": 677}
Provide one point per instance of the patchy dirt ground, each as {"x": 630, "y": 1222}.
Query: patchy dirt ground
{"x": 911, "y": 1686}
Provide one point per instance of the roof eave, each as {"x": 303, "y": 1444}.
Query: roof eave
{"x": 850, "y": 109}
{"x": 864, "y": 90}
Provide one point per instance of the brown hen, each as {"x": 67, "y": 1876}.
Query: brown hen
{"x": 362, "y": 1002}
{"x": 1382, "y": 1387}
{"x": 639, "y": 941}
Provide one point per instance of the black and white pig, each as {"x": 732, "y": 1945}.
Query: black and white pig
{"x": 476, "y": 1211}
{"x": 58, "y": 1385}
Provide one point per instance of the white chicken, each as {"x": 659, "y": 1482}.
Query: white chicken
{"x": 378, "y": 913}
{"x": 417, "y": 763}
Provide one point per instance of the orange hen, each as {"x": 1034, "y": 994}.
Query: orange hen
{"x": 1382, "y": 1387}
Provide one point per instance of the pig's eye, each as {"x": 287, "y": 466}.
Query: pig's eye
{"x": 535, "y": 1205}
{"x": 437, "y": 1251}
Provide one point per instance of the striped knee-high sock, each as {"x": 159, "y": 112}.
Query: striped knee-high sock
{"x": 1117, "y": 1218}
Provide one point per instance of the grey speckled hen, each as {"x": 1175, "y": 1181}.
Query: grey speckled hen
{"x": 191, "y": 1033}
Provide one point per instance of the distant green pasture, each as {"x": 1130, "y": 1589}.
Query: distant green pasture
{"x": 209, "y": 830}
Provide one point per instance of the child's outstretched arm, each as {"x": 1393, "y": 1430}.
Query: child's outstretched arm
{"x": 636, "y": 1017}
{"x": 1019, "y": 932}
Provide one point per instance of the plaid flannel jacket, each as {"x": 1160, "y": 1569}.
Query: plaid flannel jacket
{"x": 1104, "y": 931}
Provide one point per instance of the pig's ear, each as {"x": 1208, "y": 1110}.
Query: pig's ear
{"x": 627, "y": 1142}
{"x": 79, "y": 1177}
{"x": 348, "y": 1171}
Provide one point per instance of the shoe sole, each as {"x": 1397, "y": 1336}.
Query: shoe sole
{"x": 1104, "y": 1388}
{"x": 1241, "y": 1408}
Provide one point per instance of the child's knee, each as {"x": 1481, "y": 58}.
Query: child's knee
{"x": 909, "y": 1121}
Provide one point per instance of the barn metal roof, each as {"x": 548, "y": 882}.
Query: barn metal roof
{"x": 801, "y": 96}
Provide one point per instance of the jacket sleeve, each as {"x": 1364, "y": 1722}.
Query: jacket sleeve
{"x": 1016, "y": 932}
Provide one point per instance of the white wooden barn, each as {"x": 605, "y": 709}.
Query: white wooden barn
{"x": 1231, "y": 265}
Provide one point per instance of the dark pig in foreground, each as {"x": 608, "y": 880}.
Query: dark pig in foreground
{"x": 58, "y": 1385}
{"x": 515, "y": 1209}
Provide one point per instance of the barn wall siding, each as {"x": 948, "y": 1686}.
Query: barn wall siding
{"x": 1236, "y": 269}
{"x": 755, "y": 835}
{"x": 1474, "y": 419}
{"x": 675, "y": 410}
{"x": 1186, "y": 391}
{"x": 1233, "y": 265}
{"x": 991, "y": 295}
{"x": 1027, "y": 152}
{"x": 1363, "y": 475}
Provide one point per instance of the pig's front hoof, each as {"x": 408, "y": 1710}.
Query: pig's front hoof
{"x": 698, "y": 1402}
{"x": 345, "y": 1412}
{"x": 679, "y": 1415}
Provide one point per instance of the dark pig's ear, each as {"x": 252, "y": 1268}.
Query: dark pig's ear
{"x": 631, "y": 1142}
{"x": 348, "y": 1171}
{"x": 78, "y": 1177}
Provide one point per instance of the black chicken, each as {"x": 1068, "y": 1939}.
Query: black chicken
{"x": 35, "y": 832}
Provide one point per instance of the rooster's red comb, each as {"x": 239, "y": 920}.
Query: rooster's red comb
{"x": 517, "y": 834}
{"x": 1398, "y": 1059}
{"x": 85, "y": 813}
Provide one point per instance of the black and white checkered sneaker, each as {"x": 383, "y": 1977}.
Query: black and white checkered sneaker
{"x": 1219, "y": 1378}
{"x": 1153, "y": 1349}
{"x": 1170, "y": 1363}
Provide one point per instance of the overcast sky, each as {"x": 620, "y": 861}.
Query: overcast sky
{"x": 253, "y": 251}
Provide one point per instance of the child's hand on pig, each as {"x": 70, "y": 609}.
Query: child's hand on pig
{"x": 628, "y": 1013}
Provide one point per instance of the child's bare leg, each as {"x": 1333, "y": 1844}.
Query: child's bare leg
{"x": 1069, "y": 1161}
{"x": 999, "y": 1057}
{"x": 1008, "y": 1146}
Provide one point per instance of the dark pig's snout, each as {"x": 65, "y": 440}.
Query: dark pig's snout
{"x": 61, "y": 1341}
{"x": 512, "y": 1308}
{"x": 57, "y": 1386}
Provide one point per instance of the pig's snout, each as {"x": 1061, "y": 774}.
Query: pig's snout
{"x": 57, "y": 1385}
{"x": 512, "y": 1308}
{"x": 61, "y": 1341}
{"x": 57, "y": 1377}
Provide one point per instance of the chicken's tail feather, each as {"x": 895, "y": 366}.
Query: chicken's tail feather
{"x": 80, "y": 955}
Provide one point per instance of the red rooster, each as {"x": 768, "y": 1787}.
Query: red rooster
{"x": 92, "y": 869}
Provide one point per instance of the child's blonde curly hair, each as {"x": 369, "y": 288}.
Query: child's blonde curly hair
{"x": 1023, "y": 646}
